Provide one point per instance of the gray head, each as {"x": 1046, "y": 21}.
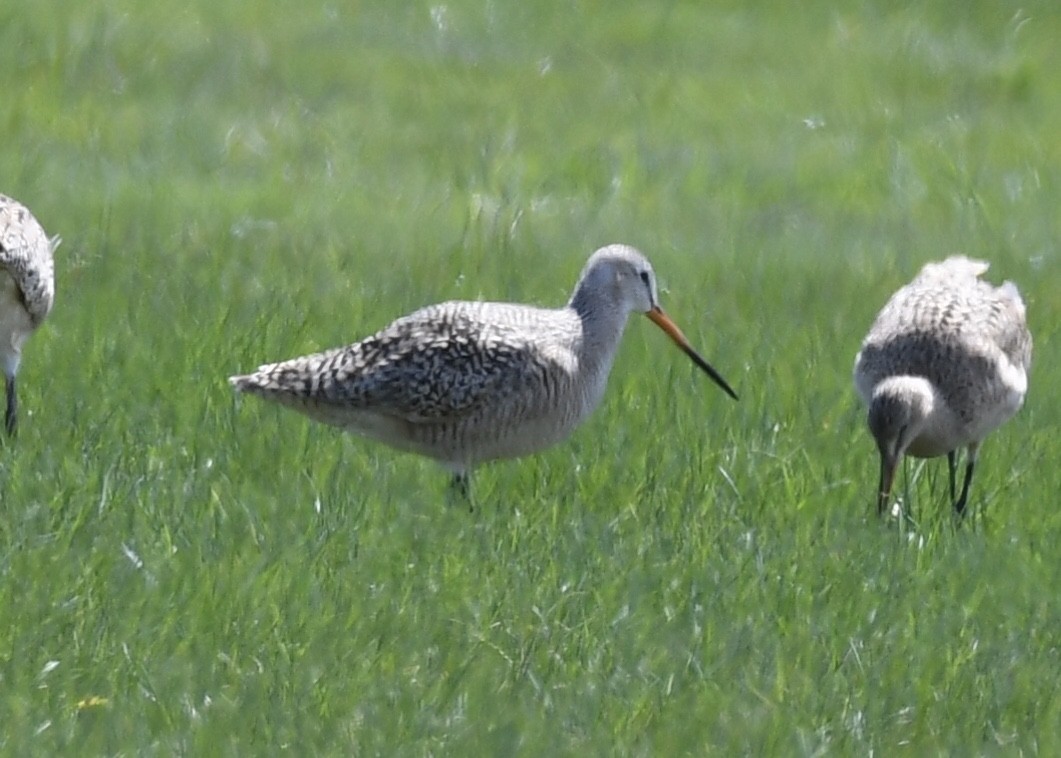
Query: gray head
{"x": 616, "y": 277}
{"x": 897, "y": 414}
{"x": 618, "y": 280}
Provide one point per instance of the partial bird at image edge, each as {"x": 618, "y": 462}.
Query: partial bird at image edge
{"x": 27, "y": 292}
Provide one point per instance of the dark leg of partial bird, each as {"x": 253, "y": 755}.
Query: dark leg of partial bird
{"x": 952, "y": 465}
{"x": 11, "y": 417}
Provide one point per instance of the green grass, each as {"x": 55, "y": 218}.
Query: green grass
{"x": 238, "y": 182}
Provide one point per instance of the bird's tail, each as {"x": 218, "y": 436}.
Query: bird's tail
{"x": 270, "y": 379}
{"x": 296, "y": 377}
{"x": 245, "y": 382}
{"x": 956, "y": 266}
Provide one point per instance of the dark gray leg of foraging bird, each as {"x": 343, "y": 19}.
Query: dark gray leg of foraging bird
{"x": 461, "y": 489}
{"x": 952, "y": 466}
{"x": 959, "y": 504}
{"x": 11, "y": 417}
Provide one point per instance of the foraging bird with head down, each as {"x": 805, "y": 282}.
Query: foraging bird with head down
{"x": 27, "y": 291}
{"x": 945, "y": 363}
{"x": 469, "y": 382}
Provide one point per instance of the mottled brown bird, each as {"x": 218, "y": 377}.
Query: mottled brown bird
{"x": 945, "y": 363}
{"x": 27, "y": 290}
{"x": 468, "y": 382}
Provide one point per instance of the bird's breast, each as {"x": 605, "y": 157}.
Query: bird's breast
{"x": 933, "y": 443}
{"x": 15, "y": 322}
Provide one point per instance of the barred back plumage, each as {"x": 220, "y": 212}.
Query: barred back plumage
{"x": 468, "y": 382}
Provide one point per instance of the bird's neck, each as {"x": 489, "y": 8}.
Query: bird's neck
{"x": 589, "y": 301}
{"x": 602, "y": 326}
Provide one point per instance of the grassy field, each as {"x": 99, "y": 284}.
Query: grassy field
{"x": 183, "y": 572}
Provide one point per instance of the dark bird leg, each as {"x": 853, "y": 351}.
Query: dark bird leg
{"x": 11, "y": 416}
{"x": 952, "y": 466}
{"x": 959, "y": 504}
{"x": 460, "y": 489}
{"x": 882, "y": 497}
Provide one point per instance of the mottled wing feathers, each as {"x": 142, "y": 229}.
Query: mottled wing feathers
{"x": 439, "y": 363}
{"x": 995, "y": 313}
{"x": 1014, "y": 338}
{"x": 954, "y": 269}
{"x": 949, "y": 299}
{"x": 26, "y": 255}
{"x": 948, "y": 325}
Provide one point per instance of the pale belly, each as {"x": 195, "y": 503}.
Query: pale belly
{"x": 465, "y": 442}
{"x": 944, "y": 433}
{"x": 478, "y": 440}
{"x": 15, "y": 324}
{"x": 931, "y": 446}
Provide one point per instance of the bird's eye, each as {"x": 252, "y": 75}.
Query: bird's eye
{"x": 644, "y": 277}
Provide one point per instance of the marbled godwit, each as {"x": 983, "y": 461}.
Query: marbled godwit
{"x": 945, "y": 363}
{"x": 27, "y": 289}
{"x": 468, "y": 382}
